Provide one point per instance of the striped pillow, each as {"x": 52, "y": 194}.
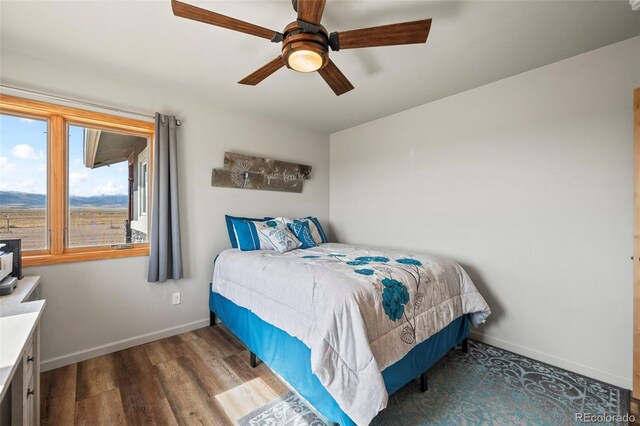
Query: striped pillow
{"x": 247, "y": 234}
{"x": 316, "y": 230}
{"x": 314, "y": 227}
{"x": 232, "y": 235}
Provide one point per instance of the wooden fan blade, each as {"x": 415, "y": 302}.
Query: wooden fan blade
{"x": 335, "y": 79}
{"x": 386, "y": 35}
{"x": 262, "y": 73}
{"x": 311, "y": 10}
{"x": 188, "y": 11}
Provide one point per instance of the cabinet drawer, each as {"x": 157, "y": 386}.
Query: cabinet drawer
{"x": 28, "y": 360}
{"x": 28, "y": 403}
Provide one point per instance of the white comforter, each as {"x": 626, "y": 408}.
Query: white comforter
{"x": 358, "y": 310}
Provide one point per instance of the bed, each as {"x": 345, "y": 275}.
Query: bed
{"x": 345, "y": 326}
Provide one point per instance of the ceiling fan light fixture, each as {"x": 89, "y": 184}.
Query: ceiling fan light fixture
{"x": 304, "y": 52}
{"x": 305, "y": 60}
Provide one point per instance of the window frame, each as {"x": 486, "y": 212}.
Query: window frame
{"x": 144, "y": 188}
{"x": 143, "y": 182}
{"x": 58, "y": 118}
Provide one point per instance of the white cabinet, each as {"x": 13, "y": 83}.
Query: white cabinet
{"x": 20, "y": 314}
{"x": 31, "y": 391}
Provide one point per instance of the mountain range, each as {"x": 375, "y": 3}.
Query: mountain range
{"x": 27, "y": 199}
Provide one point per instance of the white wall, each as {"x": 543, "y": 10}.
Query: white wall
{"x": 528, "y": 183}
{"x": 109, "y": 302}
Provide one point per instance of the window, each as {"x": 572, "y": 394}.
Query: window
{"x": 98, "y": 206}
{"x": 74, "y": 184}
{"x": 23, "y": 180}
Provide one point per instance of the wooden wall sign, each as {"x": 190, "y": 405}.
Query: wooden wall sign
{"x": 244, "y": 171}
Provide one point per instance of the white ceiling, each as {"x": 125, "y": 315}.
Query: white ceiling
{"x": 471, "y": 43}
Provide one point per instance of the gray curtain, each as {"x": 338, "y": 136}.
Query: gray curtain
{"x": 165, "y": 256}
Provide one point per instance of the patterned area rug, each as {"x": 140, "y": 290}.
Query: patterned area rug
{"x": 288, "y": 410}
{"x": 486, "y": 386}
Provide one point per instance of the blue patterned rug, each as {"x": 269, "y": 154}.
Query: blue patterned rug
{"x": 486, "y": 386}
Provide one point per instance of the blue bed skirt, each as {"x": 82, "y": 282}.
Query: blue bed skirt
{"x": 291, "y": 359}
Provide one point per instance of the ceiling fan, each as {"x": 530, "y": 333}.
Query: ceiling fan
{"x": 306, "y": 43}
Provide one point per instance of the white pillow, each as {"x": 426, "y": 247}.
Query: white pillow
{"x": 280, "y": 238}
{"x": 278, "y": 221}
{"x": 264, "y": 242}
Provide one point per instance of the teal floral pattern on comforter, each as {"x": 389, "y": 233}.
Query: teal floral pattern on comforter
{"x": 387, "y": 276}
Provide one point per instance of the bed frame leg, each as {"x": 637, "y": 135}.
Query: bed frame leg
{"x": 253, "y": 360}
{"x": 212, "y": 319}
{"x": 465, "y": 346}
{"x": 424, "y": 384}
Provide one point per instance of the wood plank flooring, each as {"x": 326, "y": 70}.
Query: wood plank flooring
{"x": 201, "y": 377}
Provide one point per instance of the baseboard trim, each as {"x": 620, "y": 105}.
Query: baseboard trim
{"x": 61, "y": 361}
{"x": 575, "y": 367}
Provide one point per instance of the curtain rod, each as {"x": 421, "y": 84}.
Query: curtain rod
{"x": 78, "y": 101}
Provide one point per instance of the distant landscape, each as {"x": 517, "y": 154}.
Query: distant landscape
{"x": 93, "y": 220}
{"x": 27, "y": 199}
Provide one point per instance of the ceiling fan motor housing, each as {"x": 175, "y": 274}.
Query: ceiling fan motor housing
{"x": 296, "y": 39}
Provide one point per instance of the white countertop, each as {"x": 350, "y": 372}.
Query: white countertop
{"x": 14, "y": 303}
{"x": 18, "y": 320}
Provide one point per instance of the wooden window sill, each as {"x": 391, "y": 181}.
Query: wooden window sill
{"x": 81, "y": 255}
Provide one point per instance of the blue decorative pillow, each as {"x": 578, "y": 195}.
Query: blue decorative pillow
{"x": 303, "y": 233}
{"x": 248, "y": 236}
{"x": 232, "y": 234}
{"x": 316, "y": 229}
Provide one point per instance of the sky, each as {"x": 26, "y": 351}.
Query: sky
{"x": 23, "y": 161}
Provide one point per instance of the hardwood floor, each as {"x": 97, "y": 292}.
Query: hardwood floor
{"x": 634, "y": 409}
{"x": 201, "y": 377}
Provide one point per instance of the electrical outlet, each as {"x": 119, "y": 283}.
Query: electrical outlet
{"x": 175, "y": 298}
